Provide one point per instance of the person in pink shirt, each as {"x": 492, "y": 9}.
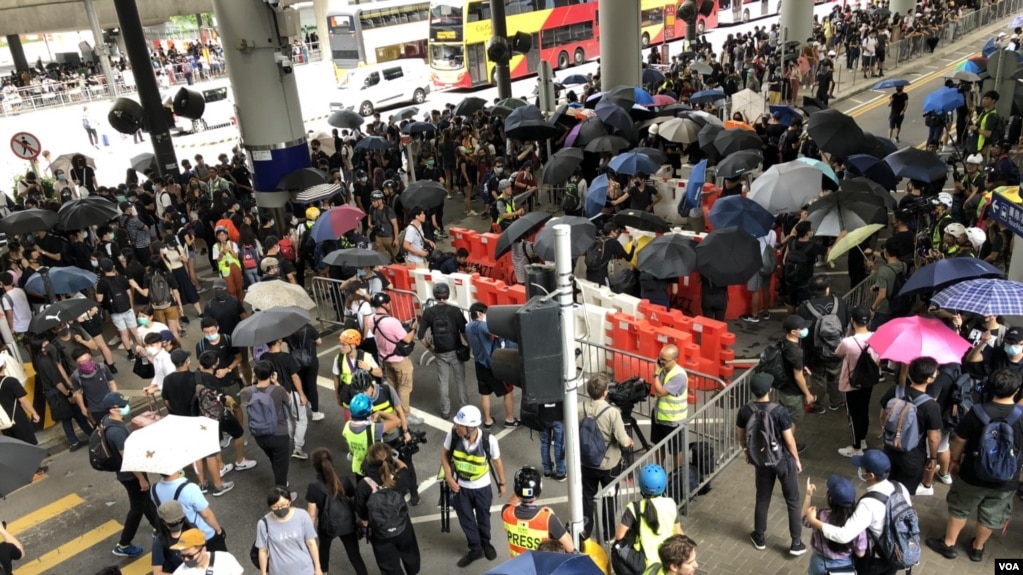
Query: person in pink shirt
{"x": 394, "y": 344}
{"x": 857, "y": 401}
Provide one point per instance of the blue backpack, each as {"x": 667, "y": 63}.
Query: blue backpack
{"x": 262, "y": 413}
{"x": 592, "y": 446}
{"x": 899, "y": 542}
{"x": 997, "y": 458}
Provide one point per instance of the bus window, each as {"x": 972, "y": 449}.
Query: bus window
{"x": 446, "y": 14}
{"x": 447, "y": 57}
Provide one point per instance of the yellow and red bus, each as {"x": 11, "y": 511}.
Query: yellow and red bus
{"x": 367, "y": 34}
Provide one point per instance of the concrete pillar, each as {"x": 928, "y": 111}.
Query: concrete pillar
{"x": 320, "y": 9}
{"x": 621, "y": 54}
{"x": 265, "y": 95}
{"x": 796, "y": 21}
{"x": 901, "y": 6}
{"x": 101, "y": 49}
{"x": 17, "y": 52}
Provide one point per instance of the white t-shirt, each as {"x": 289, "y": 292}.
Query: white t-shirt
{"x": 495, "y": 453}
{"x": 359, "y": 356}
{"x": 223, "y": 564}
{"x": 414, "y": 236}
{"x": 768, "y": 241}
{"x": 17, "y": 302}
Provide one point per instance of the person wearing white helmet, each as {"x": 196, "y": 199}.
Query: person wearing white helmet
{"x": 976, "y": 237}
{"x": 970, "y": 185}
{"x": 942, "y": 217}
{"x": 471, "y": 455}
{"x": 952, "y": 240}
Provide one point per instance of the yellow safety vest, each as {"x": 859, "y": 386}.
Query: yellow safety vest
{"x": 346, "y": 369}
{"x": 358, "y": 444}
{"x": 654, "y": 569}
{"x": 649, "y": 542}
{"x": 672, "y": 408}
{"x": 526, "y": 534}
{"x": 982, "y": 125}
{"x": 224, "y": 265}
{"x": 474, "y": 464}
{"x": 939, "y": 230}
{"x": 509, "y": 208}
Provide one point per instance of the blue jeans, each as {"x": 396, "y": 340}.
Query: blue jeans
{"x": 820, "y": 566}
{"x": 553, "y": 436}
{"x": 83, "y": 424}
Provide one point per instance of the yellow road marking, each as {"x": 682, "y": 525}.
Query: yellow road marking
{"x": 59, "y": 506}
{"x": 141, "y": 566}
{"x": 70, "y": 549}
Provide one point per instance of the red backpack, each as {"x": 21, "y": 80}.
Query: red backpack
{"x": 287, "y": 249}
{"x": 249, "y": 259}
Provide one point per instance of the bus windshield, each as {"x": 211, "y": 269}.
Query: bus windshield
{"x": 447, "y": 56}
{"x": 340, "y": 24}
{"x": 446, "y": 13}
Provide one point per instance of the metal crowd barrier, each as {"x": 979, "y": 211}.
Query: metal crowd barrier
{"x": 330, "y": 302}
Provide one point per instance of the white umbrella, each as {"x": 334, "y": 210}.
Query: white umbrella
{"x": 786, "y": 188}
{"x": 270, "y": 294}
{"x": 679, "y": 130}
{"x": 326, "y": 141}
{"x": 316, "y": 193}
{"x": 749, "y": 103}
{"x": 63, "y": 163}
{"x": 171, "y": 444}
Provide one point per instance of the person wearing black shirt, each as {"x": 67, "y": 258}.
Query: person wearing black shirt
{"x": 803, "y": 242}
{"x": 793, "y": 391}
{"x": 611, "y": 249}
{"x": 642, "y": 197}
{"x": 908, "y": 466}
{"x": 446, "y": 324}
{"x": 982, "y": 363}
{"x": 713, "y": 299}
{"x": 991, "y": 501}
{"x": 654, "y": 289}
{"x": 179, "y": 387}
{"x": 307, "y": 339}
{"x": 224, "y": 308}
{"x": 287, "y": 369}
{"x": 51, "y": 249}
{"x": 898, "y": 103}
{"x": 824, "y": 371}
{"x": 229, "y": 357}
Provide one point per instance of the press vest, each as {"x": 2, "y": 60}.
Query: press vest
{"x": 982, "y": 125}
{"x": 509, "y": 208}
{"x": 648, "y": 542}
{"x": 654, "y": 569}
{"x": 358, "y": 444}
{"x": 470, "y": 465}
{"x": 671, "y": 409}
{"x": 526, "y": 534}
{"x": 939, "y": 230}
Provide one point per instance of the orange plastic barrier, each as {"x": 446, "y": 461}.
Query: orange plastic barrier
{"x": 399, "y": 276}
{"x": 516, "y": 294}
{"x": 460, "y": 238}
{"x": 489, "y": 291}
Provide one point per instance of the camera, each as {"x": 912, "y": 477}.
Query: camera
{"x": 625, "y": 395}
{"x": 284, "y": 63}
{"x": 407, "y": 450}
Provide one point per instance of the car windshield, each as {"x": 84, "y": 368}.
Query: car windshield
{"x": 447, "y": 56}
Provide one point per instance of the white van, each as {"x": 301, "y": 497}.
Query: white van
{"x": 382, "y": 85}
{"x": 219, "y": 113}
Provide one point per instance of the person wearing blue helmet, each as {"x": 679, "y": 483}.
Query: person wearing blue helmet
{"x": 655, "y": 516}
{"x": 365, "y": 428}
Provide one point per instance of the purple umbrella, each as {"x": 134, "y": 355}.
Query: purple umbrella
{"x": 572, "y": 135}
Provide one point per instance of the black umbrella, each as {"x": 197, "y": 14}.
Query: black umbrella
{"x": 404, "y": 114}
{"x": 356, "y": 258}
{"x": 674, "y": 109}
{"x": 735, "y": 140}
{"x": 583, "y": 235}
{"x": 426, "y": 194}
{"x": 654, "y": 154}
{"x": 80, "y": 214}
{"x": 563, "y": 118}
{"x": 143, "y": 162}
{"x": 269, "y": 325}
{"x": 303, "y": 178}
{"x": 878, "y": 146}
{"x": 520, "y": 228}
{"x": 835, "y": 132}
{"x": 645, "y": 221}
{"x": 915, "y": 164}
{"x": 532, "y": 130}
{"x": 64, "y": 311}
{"x": 867, "y": 186}
{"x": 667, "y": 257}
{"x": 707, "y": 135}
{"x": 622, "y": 96}
{"x": 469, "y": 106}
{"x": 373, "y": 143}
{"x": 614, "y": 117}
{"x": 18, "y": 464}
{"x": 729, "y": 256}
{"x": 561, "y": 166}
{"x": 27, "y": 221}
{"x": 611, "y": 144}
{"x": 346, "y": 119}
{"x": 589, "y": 130}
{"x": 739, "y": 163}
{"x": 416, "y": 128}
{"x": 845, "y": 211}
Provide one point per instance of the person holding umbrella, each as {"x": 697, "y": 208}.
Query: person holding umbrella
{"x": 64, "y": 400}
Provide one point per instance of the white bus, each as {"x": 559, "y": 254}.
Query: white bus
{"x": 366, "y": 34}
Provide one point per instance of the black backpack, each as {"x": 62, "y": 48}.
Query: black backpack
{"x": 595, "y": 255}
{"x": 386, "y": 511}
{"x": 900, "y": 304}
{"x": 772, "y": 363}
{"x": 101, "y": 456}
{"x": 445, "y": 334}
{"x": 119, "y": 302}
{"x": 866, "y": 373}
{"x": 798, "y": 268}
{"x": 961, "y": 399}
{"x": 570, "y": 201}
{"x": 336, "y": 517}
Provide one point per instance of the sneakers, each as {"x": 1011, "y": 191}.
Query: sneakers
{"x": 975, "y": 555}
{"x": 924, "y": 490}
{"x": 560, "y": 478}
{"x": 225, "y": 440}
{"x": 318, "y": 416}
{"x": 797, "y": 548}
{"x": 850, "y": 451}
{"x": 815, "y": 408}
{"x": 489, "y": 552}
{"x": 946, "y": 479}
{"x": 547, "y": 474}
{"x": 127, "y": 550}
{"x": 758, "y": 541}
{"x": 467, "y": 559}
{"x": 227, "y": 468}
{"x": 749, "y": 318}
{"x": 764, "y": 315}
{"x": 937, "y": 544}
{"x": 244, "y": 464}
{"x": 299, "y": 454}
{"x": 836, "y": 407}
{"x": 488, "y": 424}
{"x": 224, "y": 488}
{"x": 512, "y": 423}
{"x": 204, "y": 488}
{"x": 75, "y": 446}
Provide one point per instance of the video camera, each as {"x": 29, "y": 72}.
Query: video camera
{"x": 625, "y": 395}
{"x": 407, "y": 450}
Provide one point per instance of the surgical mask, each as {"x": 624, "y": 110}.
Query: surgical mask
{"x": 859, "y": 473}
{"x": 62, "y": 177}
{"x": 364, "y": 179}
{"x": 109, "y": 237}
{"x": 125, "y": 411}
{"x": 94, "y": 263}
{"x": 87, "y": 367}
{"x": 1013, "y": 350}
{"x": 360, "y": 273}
{"x": 191, "y": 562}
{"x": 294, "y": 221}
{"x": 499, "y": 170}
{"x": 143, "y": 321}
{"x": 430, "y": 163}
{"x": 153, "y": 349}
{"x": 804, "y": 332}
{"x": 211, "y": 337}
{"x": 282, "y": 513}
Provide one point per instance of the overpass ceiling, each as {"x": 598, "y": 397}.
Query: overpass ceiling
{"x": 39, "y": 16}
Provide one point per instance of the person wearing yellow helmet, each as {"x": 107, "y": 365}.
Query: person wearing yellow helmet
{"x": 311, "y": 213}
{"x": 348, "y": 361}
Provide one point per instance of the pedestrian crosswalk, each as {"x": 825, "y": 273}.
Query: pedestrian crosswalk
{"x": 40, "y": 561}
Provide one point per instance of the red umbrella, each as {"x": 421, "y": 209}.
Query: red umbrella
{"x": 664, "y": 100}
{"x": 336, "y": 223}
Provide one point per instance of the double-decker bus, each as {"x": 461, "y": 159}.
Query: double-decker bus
{"x": 738, "y": 11}
{"x": 366, "y": 34}
{"x": 659, "y": 23}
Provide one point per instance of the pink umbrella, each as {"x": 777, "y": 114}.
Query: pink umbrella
{"x": 336, "y": 223}
{"x": 907, "y": 338}
{"x": 664, "y": 100}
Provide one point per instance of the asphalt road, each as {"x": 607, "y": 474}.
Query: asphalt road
{"x": 69, "y": 521}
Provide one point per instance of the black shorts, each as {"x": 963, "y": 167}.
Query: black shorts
{"x": 487, "y": 384}
{"x": 230, "y": 426}
{"x": 895, "y": 121}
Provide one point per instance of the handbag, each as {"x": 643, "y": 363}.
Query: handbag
{"x": 254, "y": 551}
{"x": 625, "y": 560}
{"x": 302, "y": 356}
{"x": 143, "y": 368}
{"x": 148, "y": 417}
{"x": 463, "y": 353}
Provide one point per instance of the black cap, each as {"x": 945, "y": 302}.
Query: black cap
{"x": 860, "y": 314}
{"x": 179, "y": 357}
{"x": 761, "y": 383}
{"x": 106, "y": 264}
{"x": 1013, "y": 335}
{"x": 794, "y": 322}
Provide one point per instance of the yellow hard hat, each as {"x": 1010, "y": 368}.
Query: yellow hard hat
{"x": 312, "y": 213}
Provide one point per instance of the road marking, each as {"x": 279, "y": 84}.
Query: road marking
{"x": 59, "y": 506}
{"x": 61, "y": 554}
{"x": 877, "y": 102}
{"x": 141, "y": 566}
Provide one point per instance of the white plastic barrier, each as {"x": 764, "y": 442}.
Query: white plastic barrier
{"x": 591, "y": 325}
{"x": 589, "y": 291}
{"x": 463, "y": 293}
{"x": 626, "y": 303}
{"x": 422, "y": 282}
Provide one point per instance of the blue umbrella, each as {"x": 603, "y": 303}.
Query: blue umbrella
{"x": 1016, "y": 22}
{"x": 542, "y": 563}
{"x": 942, "y": 101}
{"x": 890, "y": 83}
{"x": 652, "y": 76}
{"x": 944, "y": 273}
{"x": 613, "y": 116}
{"x": 573, "y": 79}
{"x": 823, "y": 167}
{"x": 694, "y": 187}
{"x": 643, "y": 98}
{"x": 632, "y": 163}
{"x": 873, "y": 169}
{"x": 917, "y": 164}
{"x": 707, "y": 96}
{"x": 596, "y": 196}
{"x": 982, "y": 297}
{"x": 786, "y": 114}
{"x": 743, "y": 213}
{"x": 65, "y": 280}
{"x": 989, "y": 48}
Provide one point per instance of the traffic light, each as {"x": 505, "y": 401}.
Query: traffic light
{"x": 690, "y": 9}
{"x": 189, "y": 104}
{"x": 706, "y": 8}
{"x": 536, "y": 365}
{"x": 521, "y": 43}
{"x": 498, "y": 50}
{"x": 126, "y": 116}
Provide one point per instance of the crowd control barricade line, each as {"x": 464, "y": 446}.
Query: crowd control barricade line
{"x": 330, "y": 302}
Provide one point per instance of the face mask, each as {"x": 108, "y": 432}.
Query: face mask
{"x": 62, "y": 177}
{"x": 282, "y": 513}
{"x": 804, "y": 332}
{"x": 364, "y": 179}
{"x": 294, "y": 221}
{"x": 94, "y": 263}
{"x": 192, "y": 562}
{"x": 63, "y": 332}
{"x": 220, "y": 294}
{"x": 153, "y": 349}
{"x": 87, "y": 367}
{"x": 1013, "y": 350}
{"x": 859, "y": 473}
{"x": 143, "y": 322}
{"x": 360, "y": 273}
{"x": 125, "y": 410}
{"x": 109, "y": 237}
{"x": 211, "y": 337}
{"x": 499, "y": 170}
{"x": 430, "y": 163}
